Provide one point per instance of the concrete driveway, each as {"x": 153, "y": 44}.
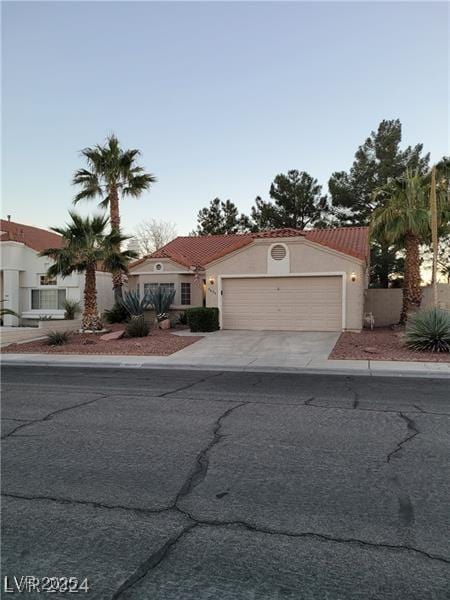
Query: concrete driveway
{"x": 258, "y": 349}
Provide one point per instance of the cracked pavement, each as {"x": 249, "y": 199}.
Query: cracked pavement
{"x": 167, "y": 484}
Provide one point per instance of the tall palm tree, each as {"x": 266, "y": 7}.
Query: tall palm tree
{"x": 111, "y": 172}
{"x": 404, "y": 220}
{"x": 86, "y": 243}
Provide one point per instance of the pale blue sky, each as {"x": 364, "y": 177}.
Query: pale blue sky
{"x": 219, "y": 96}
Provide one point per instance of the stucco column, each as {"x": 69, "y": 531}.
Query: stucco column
{"x": 10, "y": 295}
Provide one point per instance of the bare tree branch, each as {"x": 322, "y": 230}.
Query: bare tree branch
{"x": 152, "y": 235}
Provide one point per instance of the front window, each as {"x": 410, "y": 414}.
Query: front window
{"x": 48, "y": 299}
{"x": 46, "y": 280}
{"x": 149, "y": 287}
{"x": 185, "y": 293}
{"x": 168, "y": 286}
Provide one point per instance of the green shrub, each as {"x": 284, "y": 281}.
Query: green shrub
{"x": 71, "y": 308}
{"x": 58, "y": 338}
{"x": 134, "y": 306}
{"x": 203, "y": 319}
{"x": 137, "y": 327}
{"x": 429, "y": 331}
{"x": 160, "y": 300}
{"x": 182, "y": 318}
{"x": 117, "y": 314}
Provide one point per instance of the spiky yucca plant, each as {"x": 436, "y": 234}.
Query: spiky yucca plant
{"x": 133, "y": 305}
{"x": 429, "y": 331}
{"x": 161, "y": 300}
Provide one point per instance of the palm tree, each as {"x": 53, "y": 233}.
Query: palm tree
{"x": 111, "y": 171}
{"x": 7, "y": 311}
{"x": 404, "y": 220}
{"x": 86, "y": 244}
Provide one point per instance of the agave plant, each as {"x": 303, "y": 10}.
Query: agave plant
{"x": 429, "y": 331}
{"x": 160, "y": 299}
{"x": 71, "y": 309}
{"x": 134, "y": 306}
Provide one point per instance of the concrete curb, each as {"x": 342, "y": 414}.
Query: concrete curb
{"x": 136, "y": 363}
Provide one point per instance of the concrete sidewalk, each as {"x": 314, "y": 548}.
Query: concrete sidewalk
{"x": 317, "y": 366}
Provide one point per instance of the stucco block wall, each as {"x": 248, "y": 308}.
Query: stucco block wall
{"x": 304, "y": 257}
{"x": 386, "y": 304}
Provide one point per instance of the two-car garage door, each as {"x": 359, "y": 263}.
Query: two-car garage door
{"x": 282, "y": 303}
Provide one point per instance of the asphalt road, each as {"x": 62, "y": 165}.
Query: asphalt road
{"x": 177, "y": 485}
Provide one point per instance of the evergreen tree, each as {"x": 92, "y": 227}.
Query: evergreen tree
{"x": 297, "y": 203}
{"x": 221, "y": 218}
{"x": 377, "y": 162}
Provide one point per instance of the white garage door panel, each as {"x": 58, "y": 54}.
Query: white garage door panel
{"x": 282, "y": 303}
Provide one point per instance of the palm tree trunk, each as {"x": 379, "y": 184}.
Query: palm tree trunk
{"x": 90, "y": 319}
{"x": 115, "y": 224}
{"x": 412, "y": 293}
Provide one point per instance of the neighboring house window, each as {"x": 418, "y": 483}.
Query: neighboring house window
{"x": 185, "y": 293}
{"x": 48, "y": 299}
{"x": 138, "y": 290}
{"x": 46, "y": 280}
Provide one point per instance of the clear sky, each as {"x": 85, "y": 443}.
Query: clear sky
{"x": 218, "y": 96}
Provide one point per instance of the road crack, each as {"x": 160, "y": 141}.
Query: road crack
{"x": 50, "y": 415}
{"x": 152, "y": 561}
{"x": 412, "y": 431}
{"x": 188, "y": 386}
{"x": 200, "y": 470}
{"x": 91, "y": 503}
{"x": 355, "y": 394}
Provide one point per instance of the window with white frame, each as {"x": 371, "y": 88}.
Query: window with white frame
{"x": 167, "y": 286}
{"x": 48, "y": 299}
{"x": 185, "y": 293}
{"x": 149, "y": 287}
{"x": 46, "y": 280}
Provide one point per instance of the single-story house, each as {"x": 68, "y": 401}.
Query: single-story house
{"x": 284, "y": 279}
{"x": 24, "y": 285}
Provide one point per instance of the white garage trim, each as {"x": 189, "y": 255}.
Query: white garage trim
{"x": 341, "y": 274}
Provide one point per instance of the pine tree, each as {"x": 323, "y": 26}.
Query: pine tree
{"x": 221, "y": 218}
{"x": 377, "y": 162}
{"x": 297, "y": 202}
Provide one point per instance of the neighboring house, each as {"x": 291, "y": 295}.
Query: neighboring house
{"x": 24, "y": 285}
{"x": 283, "y": 279}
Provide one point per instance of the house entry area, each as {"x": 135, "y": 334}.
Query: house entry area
{"x": 289, "y": 303}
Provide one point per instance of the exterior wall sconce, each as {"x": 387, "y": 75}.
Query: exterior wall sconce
{"x": 353, "y": 276}
{"x": 211, "y": 280}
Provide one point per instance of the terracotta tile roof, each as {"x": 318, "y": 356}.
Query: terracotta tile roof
{"x": 349, "y": 240}
{"x": 277, "y": 233}
{"x": 33, "y": 237}
{"x": 198, "y": 251}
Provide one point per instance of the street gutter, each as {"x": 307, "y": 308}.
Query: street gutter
{"x": 325, "y": 367}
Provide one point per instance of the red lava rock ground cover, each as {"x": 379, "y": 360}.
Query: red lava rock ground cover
{"x": 158, "y": 343}
{"x": 381, "y": 344}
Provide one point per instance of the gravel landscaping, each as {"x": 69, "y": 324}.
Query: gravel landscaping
{"x": 380, "y": 344}
{"x": 157, "y": 343}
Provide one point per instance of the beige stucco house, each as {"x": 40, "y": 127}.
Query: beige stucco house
{"x": 24, "y": 285}
{"x": 283, "y": 279}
